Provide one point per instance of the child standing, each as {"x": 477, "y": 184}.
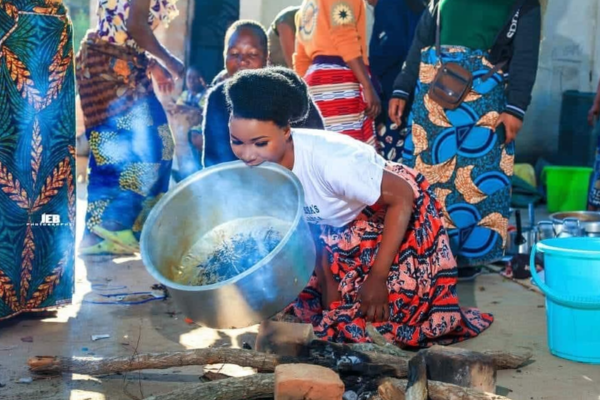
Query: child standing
{"x": 331, "y": 55}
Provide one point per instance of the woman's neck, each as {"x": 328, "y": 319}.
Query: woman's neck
{"x": 287, "y": 161}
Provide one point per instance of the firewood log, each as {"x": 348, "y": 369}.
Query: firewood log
{"x": 395, "y": 389}
{"x": 250, "y": 387}
{"x": 82, "y": 365}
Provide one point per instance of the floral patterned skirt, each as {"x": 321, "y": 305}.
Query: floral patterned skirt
{"x": 131, "y": 145}
{"x": 423, "y": 303}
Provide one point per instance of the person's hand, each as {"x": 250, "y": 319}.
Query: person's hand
{"x": 373, "y": 102}
{"x": 373, "y": 296}
{"x": 329, "y": 293}
{"x": 512, "y": 125}
{"x": 176, "y": 67}
{"x": 593, "y": 114}
{"x": 163, "y": 78}
{"x": 396, "y": 109}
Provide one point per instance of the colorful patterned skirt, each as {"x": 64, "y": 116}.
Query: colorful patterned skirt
{"x": 131, "y": 145}
{"x": 338, "y": 95}
{"x": 421, "y": 284}
{"x": 37, "y": 163}
{"x": 463, "y": 158}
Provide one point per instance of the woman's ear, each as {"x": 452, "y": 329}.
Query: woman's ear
{"x": 287, "y": 133}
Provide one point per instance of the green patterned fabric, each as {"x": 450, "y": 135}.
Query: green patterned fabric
{"x": 37, "y": 164}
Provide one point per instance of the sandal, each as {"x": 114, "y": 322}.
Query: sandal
{"x": 124, "y": 238}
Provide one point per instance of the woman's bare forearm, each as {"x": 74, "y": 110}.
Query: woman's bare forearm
{"x": 138, "y": 28}
{"x": 359, "y": 69}
{"x": 397, "y": 196}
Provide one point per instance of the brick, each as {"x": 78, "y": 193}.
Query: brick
{"x": 307, "y": 382}
{"x": 461, "y": 367}
{"x": 284, "y": 338}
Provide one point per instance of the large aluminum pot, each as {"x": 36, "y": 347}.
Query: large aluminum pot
{"x": 210, "y": 198}
{"x": 589, "y": 221}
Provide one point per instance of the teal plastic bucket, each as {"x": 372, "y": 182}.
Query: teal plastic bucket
{"x": 572, "y": 289}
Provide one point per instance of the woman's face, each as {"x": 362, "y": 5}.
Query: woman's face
{"x": 244, "y": 51}
{"x": 255, "y": 142}
{"x": 194, "y": 81}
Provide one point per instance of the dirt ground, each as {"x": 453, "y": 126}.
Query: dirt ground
{"x": 156, "y": 326}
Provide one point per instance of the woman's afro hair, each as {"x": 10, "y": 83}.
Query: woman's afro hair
{"x": 274, "y": 94}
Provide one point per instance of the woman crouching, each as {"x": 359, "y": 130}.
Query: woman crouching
{"x": 383, "y": 253}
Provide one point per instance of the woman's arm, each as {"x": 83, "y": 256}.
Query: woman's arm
{"x": 137, "y": 26}
{"x": 524, "y": 63}
{"x": 405, "y": 82}
{"x": 300, "y": 59}
{"x": 361, "y": 73}
{"x": 397, "y": 195}
{"x": 347, "y": 41}
{"x": 424, "y": 36}
{"x": 523, "y": 70}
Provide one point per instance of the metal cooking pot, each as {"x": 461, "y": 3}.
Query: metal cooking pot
{"x": 210, "y": 198}
{"x": 589, "y": 222}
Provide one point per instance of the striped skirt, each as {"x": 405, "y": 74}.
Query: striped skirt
{"x": 421, "y": 284}
{"x": 338, "y": 95}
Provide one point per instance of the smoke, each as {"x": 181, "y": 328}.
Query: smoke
{"x": 216, "y": 196}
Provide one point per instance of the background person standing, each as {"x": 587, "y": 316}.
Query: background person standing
{"x": 282, "y": 38}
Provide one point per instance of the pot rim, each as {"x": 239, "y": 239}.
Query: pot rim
{"x": 154, "y": 213}
{"x": 586, "y": 226}
{"x": 573, "y": 214}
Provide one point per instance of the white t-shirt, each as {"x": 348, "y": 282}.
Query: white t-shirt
{"x": 340, "y": 175}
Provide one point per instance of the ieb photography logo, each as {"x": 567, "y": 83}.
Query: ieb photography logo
{"x": 49, "y": 220}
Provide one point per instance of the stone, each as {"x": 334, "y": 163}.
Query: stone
{"x": 307, "y": 382}
{"x": 284, "y": 338}
{"x": 461, "y": 367}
